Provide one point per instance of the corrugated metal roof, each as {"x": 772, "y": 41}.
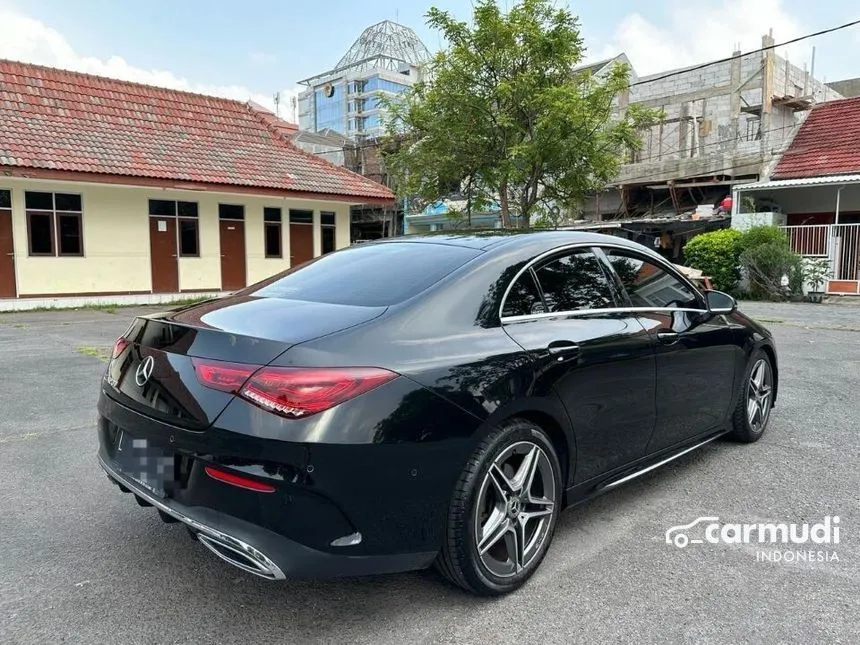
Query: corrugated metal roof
{"x": 806, "y": 181}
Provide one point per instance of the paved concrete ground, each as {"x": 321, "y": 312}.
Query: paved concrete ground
{"x": 81, "y": 563}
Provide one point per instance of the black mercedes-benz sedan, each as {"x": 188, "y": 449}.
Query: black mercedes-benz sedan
{"x": 428, "y": 400}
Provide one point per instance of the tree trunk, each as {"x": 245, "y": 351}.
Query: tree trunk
{"x": 525, "y": 224}
{"x": 503, "y": 203}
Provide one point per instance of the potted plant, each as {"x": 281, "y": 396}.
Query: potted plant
{"x": 816, "y": 272}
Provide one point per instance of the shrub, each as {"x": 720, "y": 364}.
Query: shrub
{"x": 766, "y": 263}
{"x": 759, "y": 235}
{"x": 716, "y": 255}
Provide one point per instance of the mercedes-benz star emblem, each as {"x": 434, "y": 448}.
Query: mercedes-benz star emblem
{"x": 144, "y": 371}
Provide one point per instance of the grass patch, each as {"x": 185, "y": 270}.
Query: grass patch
{"x": 101, "y": 353}
{"x": 776, "y": 321}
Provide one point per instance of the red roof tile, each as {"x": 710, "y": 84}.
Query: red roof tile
{"x": 60, "y": 120}
{"x": 826, "y": 144}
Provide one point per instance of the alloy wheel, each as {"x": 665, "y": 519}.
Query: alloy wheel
{"x": 759, "y": 395}
{"x": 514, "y": 511}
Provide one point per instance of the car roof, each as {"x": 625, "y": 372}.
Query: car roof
{"x": 486, "y": 240}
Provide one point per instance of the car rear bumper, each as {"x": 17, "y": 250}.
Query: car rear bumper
{"x": 260, "y": 551}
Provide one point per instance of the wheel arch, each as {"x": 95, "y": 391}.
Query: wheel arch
{"x": 549, "y": 414}
{"x": 768, "y": 349}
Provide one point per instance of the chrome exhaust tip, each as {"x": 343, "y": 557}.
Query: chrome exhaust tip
{"x": 241, "y": 555}
{"x": 230, "y": 549}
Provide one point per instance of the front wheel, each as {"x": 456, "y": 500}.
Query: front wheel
{"x": 755, "y": 400}
{"x": 504, "y": 510}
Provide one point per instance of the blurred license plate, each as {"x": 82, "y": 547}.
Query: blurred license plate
{"x": 149, "y": 466}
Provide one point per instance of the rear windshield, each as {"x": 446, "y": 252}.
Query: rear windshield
{"x": 375, "y": 275}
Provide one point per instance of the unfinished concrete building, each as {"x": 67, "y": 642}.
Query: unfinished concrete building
{"x": 723, "y": 123}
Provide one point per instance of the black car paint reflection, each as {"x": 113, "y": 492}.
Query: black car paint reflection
{"x": 602, "y": 379}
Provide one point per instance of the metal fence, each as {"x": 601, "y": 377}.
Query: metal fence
{"x": 839, "y": 243}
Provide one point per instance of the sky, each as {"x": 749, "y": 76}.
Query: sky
{"x": 255, "y": 48}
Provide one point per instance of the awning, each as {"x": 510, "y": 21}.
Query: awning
{"x": 827, "y": 180}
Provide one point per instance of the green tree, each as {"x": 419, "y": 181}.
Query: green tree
{"x": 503, "y": 114}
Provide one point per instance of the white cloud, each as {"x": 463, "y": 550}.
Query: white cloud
{"x": 29, "y": 40}
{"x": 698, "y": 33}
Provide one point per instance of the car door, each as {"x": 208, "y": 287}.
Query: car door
{"x": 696, "y": 351}
{"x": 599, "y": 360}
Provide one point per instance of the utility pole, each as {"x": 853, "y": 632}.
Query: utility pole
{"x": 766, "y": 99}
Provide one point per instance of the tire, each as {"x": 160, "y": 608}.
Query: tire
{"x": 510, "y": 492}
{"x": 750, "y": 420}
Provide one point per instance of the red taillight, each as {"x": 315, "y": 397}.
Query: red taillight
{"x": 227, "y": 377}
{"x": 293, "y": 392}
{"x": 300, "y": 391}
{"x": 238, "y": 480}
{"x": 119, "y": 346}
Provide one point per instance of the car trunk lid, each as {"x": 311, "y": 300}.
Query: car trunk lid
{"x": 152, "y": 370}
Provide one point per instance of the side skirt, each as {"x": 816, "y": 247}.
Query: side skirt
{"x": 585, "y": 491}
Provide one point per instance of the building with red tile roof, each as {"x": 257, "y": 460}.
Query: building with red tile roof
{"x": 814, "y": 191}
{"x": 828, "y": 143}
{"x": 113, "y": 187}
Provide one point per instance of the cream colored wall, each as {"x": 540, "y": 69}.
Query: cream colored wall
{"x": 116, "y": 243}
{"x": 116, "y": 239}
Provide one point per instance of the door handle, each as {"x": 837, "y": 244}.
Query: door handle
{"x": 563, "y": 348}
{"x": 669, "y": 337}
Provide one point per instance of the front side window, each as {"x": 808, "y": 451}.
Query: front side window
{"x": 648, "y": 284}
{"x": 574, "y": 281}
{"x": 54, "y": 223}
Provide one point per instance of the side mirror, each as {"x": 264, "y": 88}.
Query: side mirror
{"x": 720, "y": 303}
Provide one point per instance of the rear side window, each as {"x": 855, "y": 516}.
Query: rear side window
{"x": 372, "y": 275}
{"x": 648, "y": 284}
{"x": 524, "y": 298}
{"x": 574, "y": 281}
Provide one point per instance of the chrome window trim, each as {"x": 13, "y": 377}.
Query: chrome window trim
{"x": 659, "y": 261}
{"x": 592, "y": 312}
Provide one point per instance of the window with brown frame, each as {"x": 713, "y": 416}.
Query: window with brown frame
{"x": 54, "y": 224}
{"x": 186, "y": 214}
{"x": 189, "y": 237}
{"x": 272, "y": 232}
{"x": 70, "y": 237}
{"x": 40, "y": 231}
{"x": 327, "y": 228}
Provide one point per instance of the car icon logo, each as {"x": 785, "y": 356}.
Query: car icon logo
{"x": 144, "y": 371}
{"x": 678, "y": 535}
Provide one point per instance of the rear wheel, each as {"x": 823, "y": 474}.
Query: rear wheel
{"x": 504, "y": 510}
{"x": 755, "y": 400}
